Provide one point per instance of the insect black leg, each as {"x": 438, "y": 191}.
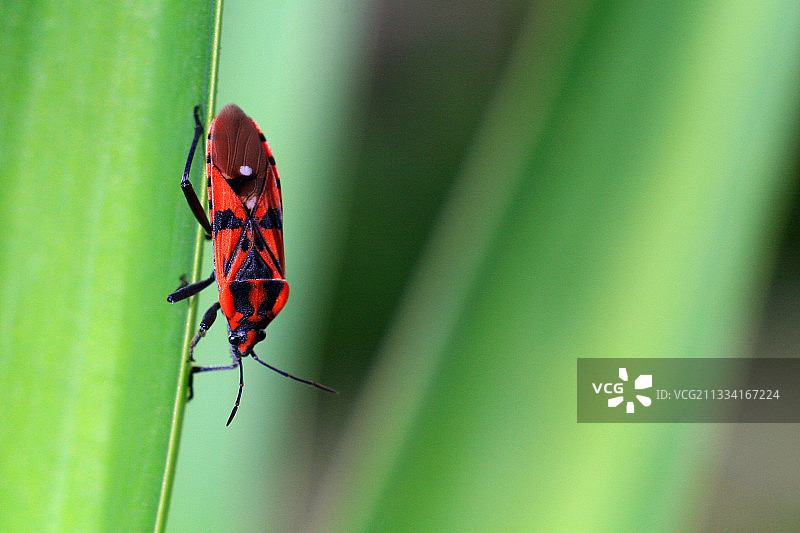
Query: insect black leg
{"x": 208, "y": 320}
{"x": 288, "y": 375}
{"x": 184, "y": 290}
{"x": 205, "y": 324}
{"x": 196, "y": 369}
{"x": 186, "y": 185}
{"x": 237, "y": 362}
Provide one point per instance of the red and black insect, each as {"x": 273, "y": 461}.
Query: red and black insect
{"x": 246, "y": 209}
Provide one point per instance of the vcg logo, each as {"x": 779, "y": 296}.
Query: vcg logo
{"x": 644, "y": 381}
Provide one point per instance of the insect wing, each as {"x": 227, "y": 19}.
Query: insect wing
{"x": 245, "y": 199}
{"x": 269, "y": 213}
{"x": 227, "y": 222}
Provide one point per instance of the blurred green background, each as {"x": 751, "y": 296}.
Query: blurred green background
{"x": 475, "y": 195}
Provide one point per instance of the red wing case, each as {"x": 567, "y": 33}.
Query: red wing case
{"x": 247, "y": 222}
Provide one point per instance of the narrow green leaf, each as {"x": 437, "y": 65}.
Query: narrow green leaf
{"x": 95, "y": 105}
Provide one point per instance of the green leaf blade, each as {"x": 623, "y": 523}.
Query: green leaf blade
{"x": 99, "y": 120}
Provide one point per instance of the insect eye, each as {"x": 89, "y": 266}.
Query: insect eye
{"x": 261, "y": 335}
{"x": 237, "y": 339}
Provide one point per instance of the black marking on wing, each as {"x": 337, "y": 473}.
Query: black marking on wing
{"x": 273, "y": 289}
{"x": 254, "y": 267}
{"x": 226, "y": 219}
{"x": 272, "y": 220}
{"x": 239, "y": 181}
{"x": 241, "y": 297}
{"x": 261, "y": 244}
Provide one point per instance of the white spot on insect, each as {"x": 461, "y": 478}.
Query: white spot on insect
{"x": 244, "y": 170}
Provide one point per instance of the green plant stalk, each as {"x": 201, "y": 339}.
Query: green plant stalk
{"x": 191, "y": 328}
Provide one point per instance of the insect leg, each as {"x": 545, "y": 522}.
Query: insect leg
{"x": 205, "y": 324}
{"x": 186, "y": 185}
{"x": 288, "y": 375}
{"x": 208, "y": 320}
{"x": 237, "y": 362}
{"x": 184, "y": 291}
{"x": 236, "y": 358}
{"x": 196, "y": 369}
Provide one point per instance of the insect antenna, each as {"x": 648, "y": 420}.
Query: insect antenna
{"x": 239, "y": 395}
{"x": 288, "y": 375}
